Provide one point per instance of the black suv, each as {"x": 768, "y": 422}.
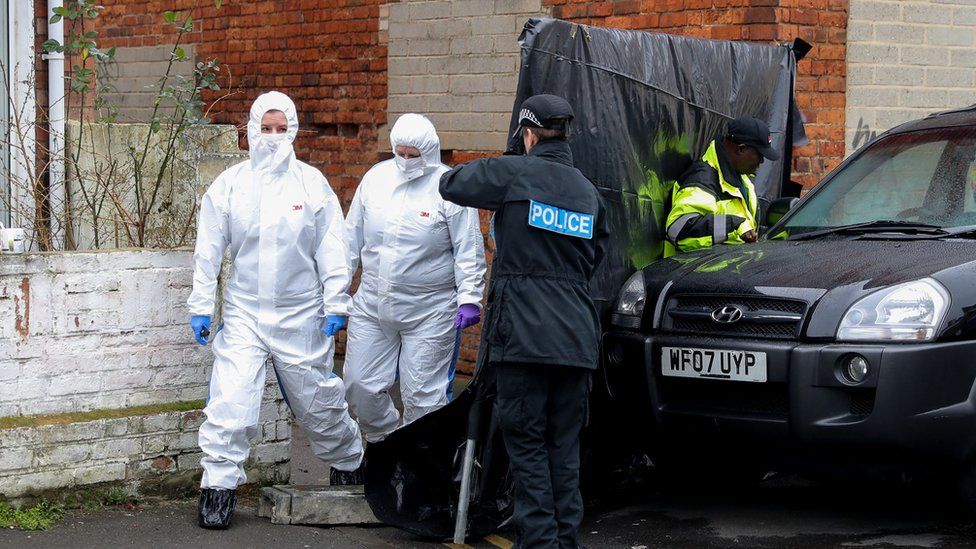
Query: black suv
{"x": 844, "y": 340}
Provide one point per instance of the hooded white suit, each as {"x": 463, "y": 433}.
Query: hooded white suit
{"x": 283, "y": 224}
{"x": 422, "y": 258}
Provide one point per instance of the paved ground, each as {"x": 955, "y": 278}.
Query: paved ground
{"x": 783, "y": 513}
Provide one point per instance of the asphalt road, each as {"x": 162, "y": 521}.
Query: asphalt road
{"x": 781, "y": 513}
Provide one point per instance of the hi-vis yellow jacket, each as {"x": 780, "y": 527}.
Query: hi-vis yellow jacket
{"x": 706, "y": 209}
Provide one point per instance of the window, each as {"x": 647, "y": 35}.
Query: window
{"x": 927, "y": 176}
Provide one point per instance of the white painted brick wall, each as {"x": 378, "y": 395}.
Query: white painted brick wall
{"x": 97, "y": 330}
{"x": 106, "y": 330}
{"x": 905, "y": 59}
{"x": 457, "y": 63}
{"x": 139, "y": 450}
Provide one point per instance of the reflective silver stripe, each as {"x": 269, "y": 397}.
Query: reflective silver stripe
{"x": 720, "y": 232}
{"x": 675, "y": 228}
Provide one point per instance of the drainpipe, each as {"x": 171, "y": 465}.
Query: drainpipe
{"x": 56, "y": 124}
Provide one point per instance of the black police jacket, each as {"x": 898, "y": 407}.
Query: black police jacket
{"x": 551, "y": 232}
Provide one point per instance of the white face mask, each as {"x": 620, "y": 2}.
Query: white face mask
{"x": 272, "y": 141}
{"x": 271, "y": 151}
{"x": 411, "y": 167}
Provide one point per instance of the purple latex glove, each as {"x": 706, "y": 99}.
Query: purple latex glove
{"x": 468, "y": 315}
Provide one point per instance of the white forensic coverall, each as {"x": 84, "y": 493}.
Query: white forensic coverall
{"x": 284, "y": 225}
{"x": 422, "y": 257}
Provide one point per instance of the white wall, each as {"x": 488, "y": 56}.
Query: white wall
{"x": 107, "y": 330}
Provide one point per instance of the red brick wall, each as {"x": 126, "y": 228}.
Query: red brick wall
{"x": 821, "y": 82}
{"x": 332, "y": 62}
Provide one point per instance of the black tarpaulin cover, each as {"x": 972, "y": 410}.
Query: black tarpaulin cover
{"x": 646, "y": 104}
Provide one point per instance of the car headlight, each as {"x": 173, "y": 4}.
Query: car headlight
{"x": 912, "y": 311}
{"x": 630, "y": 305}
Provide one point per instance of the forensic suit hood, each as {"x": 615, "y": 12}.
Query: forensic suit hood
{"x": 414, "y": 130}
{"x": 268, "y": 151}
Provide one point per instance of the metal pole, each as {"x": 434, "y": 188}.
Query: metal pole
{"x": 56, "y": 123}
{"x": 461, "y": 522}
{"x": 474, "y": 433}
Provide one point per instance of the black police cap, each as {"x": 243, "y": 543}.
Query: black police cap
{"x": 545, "y": 111}
{"x": 751, "y": 131}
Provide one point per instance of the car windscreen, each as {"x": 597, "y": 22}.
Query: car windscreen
{"x": 925, "y": 177}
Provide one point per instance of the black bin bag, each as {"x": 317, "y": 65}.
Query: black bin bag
{"x": 413, "y": 476}
{"x": 646, "y": 105}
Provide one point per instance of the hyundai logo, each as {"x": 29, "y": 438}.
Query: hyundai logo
{"x": 729, "y": 314}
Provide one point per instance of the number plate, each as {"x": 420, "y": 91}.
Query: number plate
{"x": 713, "y": 364}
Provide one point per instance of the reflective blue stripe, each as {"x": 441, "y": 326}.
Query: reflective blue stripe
{"x": 558, "y": 220}
{"x": 454, "y": 359}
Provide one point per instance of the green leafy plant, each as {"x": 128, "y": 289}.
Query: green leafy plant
{"x": 183, "y": 97}
{"x": 118, "y": 495}
{"x": 81, "y": 48}
{"x": 127, "y": 191}
{"x": 38, "y": 517}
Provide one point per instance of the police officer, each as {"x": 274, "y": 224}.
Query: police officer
{"x": 542, "y": 329}
{"x": 714, "y": 201}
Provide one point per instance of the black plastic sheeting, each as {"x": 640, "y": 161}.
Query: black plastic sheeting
{"x": 412, "y": 478}
{"x": 646, "y": 105}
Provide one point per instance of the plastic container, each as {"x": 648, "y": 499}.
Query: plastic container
{"x": 12, "y": 241}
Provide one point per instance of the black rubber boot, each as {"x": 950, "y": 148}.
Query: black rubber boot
{"x": 216, "y": 508}
{"x": 345, "y": 478}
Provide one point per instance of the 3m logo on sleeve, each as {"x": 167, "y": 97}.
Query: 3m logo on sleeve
{"x": 558, "y": 220}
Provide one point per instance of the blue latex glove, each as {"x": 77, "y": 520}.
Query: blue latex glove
{"x": 468, "y": 315}
{"x": 333, "y": 323}
{"x": 199, "y": 323}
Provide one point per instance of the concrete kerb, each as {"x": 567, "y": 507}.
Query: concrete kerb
{"x": 316, "y": 505}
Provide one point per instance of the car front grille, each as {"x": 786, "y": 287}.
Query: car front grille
{"x": 758, "y": 317}
{"x": 724, "y": 397}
